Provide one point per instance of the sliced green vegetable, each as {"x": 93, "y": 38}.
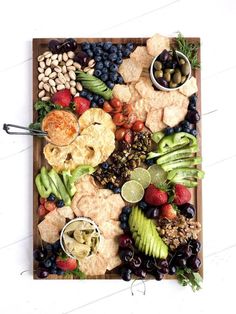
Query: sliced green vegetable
{"x": 185, "y": 176}
{"x": 175, "y": 141}
{"x": 71, "y": 189}
{"x": 178, "y": 154}
{"x": 45, "y": 178}
{"x": 40, "y": 187}
{"x": 157, "y": 136}
{"x": 80, "y": 171}
{"x": 181, "y": 163}
{"x": 60, "y": 186}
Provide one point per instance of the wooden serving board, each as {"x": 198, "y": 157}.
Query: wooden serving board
{"x": 39, "y": 46}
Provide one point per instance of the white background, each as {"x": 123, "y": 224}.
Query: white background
{"x": 215, "y": 23}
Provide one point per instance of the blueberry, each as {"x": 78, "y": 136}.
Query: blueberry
{"x": 51, "y": 197}
{"x": 49, "y": 247}
{"x": 97, "y": 73}
{"x": 185, "y": 124}
{"x": 193, "y": 116}
{"x": 85, "y": 46}
{"x": 56, "y": 246}
{"x": 119, "y": 54}
{"x": 110, "y": 186}
{"x": 95, "y": 97}
{"x": 191, "y": 106}
{"x": 186, "y": 130}
{"x": 97, "y": 51}
{"x": 113, "y": 49}
{"x": 83, "y": 93}
{"x": 52, "y": 271}
{"x": 93, "y": 104}
{"x": 89, "y": 53}
{"x": 93, "y": 46}
{"x": 47, "y": 263}
{"x": 116, "y": 190}
{"x": 60, "y": 272}
{"x": 60, "y": 203}
{"x": 113, "y": 68}
{"x": 110, "y": 84}
{"x": 100, "y": 101}
{"x": 126, "y": 210}
{"x": 193, "y": 100}
{"x": 90, "y": 96}
{"x": 105, "y": 70}
{"x": 169, "y": 131}
{"x": 123, "y": 217}
{"x": 119, "y": 60}
{"x": 119, "y": 47}
{"x": 100, "y": 44}
{"x": 113, "y": 76}
{"x": 130, "y": 46}
{"x": 193, "y": 132}
{"x": 143, "y": 205}
{"x": 97, "y": 58}
{"x": 104, "y": 77}
{"x": 124, "y": 225}
{"x": 177, "y": 128}
{"x": 107, "y": 63}
{"x": 53, "y": 258}
{"x": 149, "y": 162}
{"x": 119, "y": 80}
{"x": 105, "y": 165}
{"x": 112, "y": 57}
{"x": 107, "y": 45}
{"x": 99, "y": 66}
{"x": 126, "y": 53}
{"x": 105, "y": 56}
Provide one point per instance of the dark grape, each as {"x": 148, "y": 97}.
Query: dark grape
{"x": 184, "y": 251}
{"x": 158, "y": 275}
{"x": 195, "y": 246}
{"x": 40, "y": 254}
{"x": 139, "y": 272}
{"x": 54, "y": 46}
{"x": 180, "y": 262}
{"x": 194, "y": 263}
{"x": 82, "y": 58}
{"x": 125, "y": 241}
{"x": 42, "y": 273}
{"x": 192, "y": 116}
{"x": 126, "y": 274}
{"x": 136, "y": 262}
{"x": 187, "y": 210}
{"x": 172, "y": 270}
{"x": 126, "y": 255}
{"x": 148, "y": 265}
{"x": 152, "y": 212}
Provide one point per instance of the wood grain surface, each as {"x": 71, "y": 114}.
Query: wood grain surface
{"x": 39, "y": 46}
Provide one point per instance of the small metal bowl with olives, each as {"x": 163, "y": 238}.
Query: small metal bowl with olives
{"x": 170, "y": 70}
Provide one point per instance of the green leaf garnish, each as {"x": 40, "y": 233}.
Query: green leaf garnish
{"x": 188, "y": 277}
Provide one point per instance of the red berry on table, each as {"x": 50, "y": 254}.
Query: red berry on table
{"x": 66, "y": 263}
{"x": 168, "y": 211}
{"x": 81, "y": 104}
{"x": 181, "y": 194}
{"x": 155, "y": 196}
{"x": 62, "y": 97}
{"x": 42, "y": 211}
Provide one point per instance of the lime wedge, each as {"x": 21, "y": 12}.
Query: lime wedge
{"x": 142, "y": 176}
{"x": 158, "y": 175}
{"x": 132, "y": 191}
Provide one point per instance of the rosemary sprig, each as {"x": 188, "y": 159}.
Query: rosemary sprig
{"x": 190, "y": 50}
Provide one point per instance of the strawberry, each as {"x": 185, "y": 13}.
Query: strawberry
{"x": 155, "y": 196}
{"x": 66, "y": 263}
{"x": 49, "y": 206}
{"x": 181, "y": 194}
{"x": 81, "y": 104}
{"x": 62, "y": 97}
{"x": 168, "y": 211}
{"x": 42, "y": 211}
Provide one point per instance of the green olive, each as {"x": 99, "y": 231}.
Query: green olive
{"x": 157, "y": 65}
{"x": 158, "y": 73}
{"x": 172, "y": 84}
{"x": 185, "y": 69}
{"x": 176, "y": 78}
{"x": 167, "y": 70}
{"x": 183, "y": 79}
{"x": 167, "y": 76}
{"x": 181, "y": 61}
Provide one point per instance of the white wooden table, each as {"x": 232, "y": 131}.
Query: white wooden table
{"x": 215, "y": 23}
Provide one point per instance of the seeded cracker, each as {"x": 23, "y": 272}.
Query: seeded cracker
{"x": 122, "y": 92}
{"x": 156, "y": 44}
{"x": 130, "y": 70}
{"x": 189, "y": 88}
{"x": 141, "y": 55}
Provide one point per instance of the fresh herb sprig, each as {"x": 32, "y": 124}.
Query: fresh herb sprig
{"x": 190, "y": 50}
{"x": 188, "y": 277}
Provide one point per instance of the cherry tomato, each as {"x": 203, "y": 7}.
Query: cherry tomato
{"x": 50, "y": 206}
{"x": 115, "y": 102}
{"x": 107, "y": 107}
{"x": 128, "y": 137}
{"x": 130, "y": 120}
{"x": 120, "y": 133}
{"x": 138, "y": 126}
{"x": 118, "y": 119}
{"x": 42, "y": 200}
{"x": 42, "y": 211}
{"x": 127, "y": 109}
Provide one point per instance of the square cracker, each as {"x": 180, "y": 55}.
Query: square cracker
{"x": 142, "y": 56}
{"x": 130, "y": 70}
{"x": 156, "y": 44}
{"x": 122, "y": 92}
{"x": 56, "y": 219}
{"x": 190, "y": 87}
{"x": 173, "y": 115}
{"x": 154, "y": 120}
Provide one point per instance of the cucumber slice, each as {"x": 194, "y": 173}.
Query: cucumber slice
{"x": 181, "y": 163}
{"x": 177, "y": 154}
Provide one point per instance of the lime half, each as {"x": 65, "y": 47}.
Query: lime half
{"x": 142, "y": 176}
{"x": 158, "y": 175}
{"x": 132, "y": 191}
